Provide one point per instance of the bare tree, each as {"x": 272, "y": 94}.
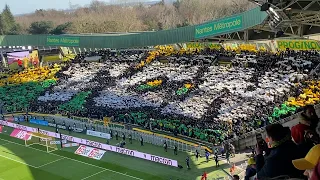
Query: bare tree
{"x": 99, "y": 17}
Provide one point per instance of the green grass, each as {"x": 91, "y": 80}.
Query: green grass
{"x": 33, "y": 162}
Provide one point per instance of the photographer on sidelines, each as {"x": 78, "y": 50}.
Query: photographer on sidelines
{"x": 282, "y": 151}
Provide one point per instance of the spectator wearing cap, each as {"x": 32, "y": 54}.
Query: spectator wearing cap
{"x": 310, "y": 164}
{"x": 282, "y": 152}
{"x": 251, "y": 169}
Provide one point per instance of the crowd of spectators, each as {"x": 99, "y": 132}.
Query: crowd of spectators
{"x": 206, "y": 94}
{"x": 288, "y": 154}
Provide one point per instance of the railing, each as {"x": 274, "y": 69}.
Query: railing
{"x": 147, "y": 138}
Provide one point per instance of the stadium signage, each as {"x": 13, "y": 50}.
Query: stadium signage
{"x": 219, "y": 27}
{"x": 39, "y": 122}
{"x": 18, "y": 119}
{"x": 20, "y": 134}
{"x": 107, "y": 147}
{"x": 58, "y": 142}
{"x": 93, "y": 144}
{"x": 57, "y": 125}
{"x": 197, "y": 45}
{"x": 63, "y": 41}
{"x": 161, "y": 160}
{"x": 98, "y": 134}
{"x": 90, "y": 152}
{"x": 125, "y": 151}
{"x": 298, "y": 44}
{"x": 78, "y": 130}
{"x": 70, "y": 145}
{"x": 68, "y": 138}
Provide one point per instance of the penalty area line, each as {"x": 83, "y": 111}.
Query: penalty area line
{"x": 50, "y": 162}
{"x": 94, "y": 174}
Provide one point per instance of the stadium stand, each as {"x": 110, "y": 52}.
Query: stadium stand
{"x": 188, "y": 94}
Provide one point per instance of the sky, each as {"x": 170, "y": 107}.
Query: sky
{"x": 22, "y": 7}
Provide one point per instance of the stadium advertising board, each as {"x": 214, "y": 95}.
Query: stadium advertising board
{"x": 70, "y": 145}
{"x": 98, "y": 134}
{"x": 19, "y": 119}
{"x": 57, "y": 125}
{"x": 197, "y": 45}
{"x": 10, "y": 119}
{"x": 18, "y": 126}
{"x": 77, "y": 130}
{"x": 134, "y": 153}
{"x": 90, "y": 152}
{"x": 20, "y": 134}
{"x": 219, "y": 27}
{"x": 58, "y": 142}
{"x": 298, "y": 44}
{"x": 63, "y": 41}
{"x": 39, "y": 122}
{"x": 49, "y": 133}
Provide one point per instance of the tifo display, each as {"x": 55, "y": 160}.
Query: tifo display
{"x": 201, "y": 91}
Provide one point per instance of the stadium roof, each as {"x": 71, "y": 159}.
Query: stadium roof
{"x": 298, "y": 17}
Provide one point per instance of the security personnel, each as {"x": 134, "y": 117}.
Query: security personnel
{"x": 130, "y": 138}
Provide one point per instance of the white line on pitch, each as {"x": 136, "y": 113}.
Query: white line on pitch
{"x": 73, "y": 160}
{"x": 18, "y": 161}
{"x": 94, "y": 174}
{"x": 3, "y": 145}
{"x": 50, "y": 162}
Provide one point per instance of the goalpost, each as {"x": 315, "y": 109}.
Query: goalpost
{"x": 42, "y": 140}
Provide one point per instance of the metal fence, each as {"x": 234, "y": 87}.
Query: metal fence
{"x": 147, "y": 138}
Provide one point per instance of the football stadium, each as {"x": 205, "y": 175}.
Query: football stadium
{"x": 177, "y": 95}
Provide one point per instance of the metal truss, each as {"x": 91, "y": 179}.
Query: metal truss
{"x": 300, "y": 17}
{"x": 241, "y": 36}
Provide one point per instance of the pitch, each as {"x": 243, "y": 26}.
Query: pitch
{"x": 33, "y": 163}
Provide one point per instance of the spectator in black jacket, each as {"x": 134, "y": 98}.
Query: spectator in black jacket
{"x": 282, "y": 152}
{"x": 251, "y": 169}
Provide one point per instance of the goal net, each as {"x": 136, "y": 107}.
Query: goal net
{"x": 42, "y": 140}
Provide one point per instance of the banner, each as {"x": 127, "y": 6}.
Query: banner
{"x": 20, "y": 134}
{"x": 23, "y": 59}
{"x": 90, "y": 152}
{"x": 134, "y": 153}
{"x": 39, "y": 122}
{"x": 18, "y": 126}
{"x": 77, "y": 130}
{"x": 70, "y": 145}
{"x": 57, "y": 125}
{"x": 298, "y": 44}
{"x": 219, "y": 27}
{"x": 9, "y": 119}
{"x": 19, "y": 119}
{"x": 33, "y": 60}
{"x": 58, "y": 142}
{"x": 17, "y": 57}
{"x": 197, "y": 45}
{"x": 98, "y": 134}
{"x": 65, "y": 41}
